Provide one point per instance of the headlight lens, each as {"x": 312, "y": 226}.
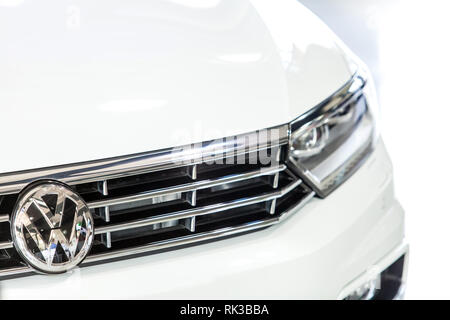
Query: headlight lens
{"x": 331, "y": 141}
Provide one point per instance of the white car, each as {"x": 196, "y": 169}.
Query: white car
{"x": 194, "y": 149}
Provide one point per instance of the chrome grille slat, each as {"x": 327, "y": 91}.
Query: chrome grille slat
{"x": 198, "y": 211}
{"x": 142, "y": 163}
{"x": 6, "y": 245}
{"x": 197, "y": 185}
{"x": 184, "y": 240}
{"x": 204, "y": 236}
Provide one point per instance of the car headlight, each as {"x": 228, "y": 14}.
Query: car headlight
{"x": 328, "y": 143}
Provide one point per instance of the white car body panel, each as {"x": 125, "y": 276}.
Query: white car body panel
{"x": 314, "y": 254}
{"x": 110, "y": 78}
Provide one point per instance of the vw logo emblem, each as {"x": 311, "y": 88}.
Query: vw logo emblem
{"x": 52, "y": 227}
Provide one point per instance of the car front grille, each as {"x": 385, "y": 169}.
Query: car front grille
{"x": 175, "y": 197}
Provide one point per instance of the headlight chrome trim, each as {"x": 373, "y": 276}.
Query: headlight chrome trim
{"x": 352, "y": 92}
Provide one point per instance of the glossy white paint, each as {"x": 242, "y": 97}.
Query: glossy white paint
{"x": 82, "y": 80}
{"x": 315, "y": 254}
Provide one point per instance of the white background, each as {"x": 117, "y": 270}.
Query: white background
{"x": 406, "y": 44}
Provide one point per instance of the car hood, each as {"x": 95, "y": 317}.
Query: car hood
{"x": 96, "y": 79}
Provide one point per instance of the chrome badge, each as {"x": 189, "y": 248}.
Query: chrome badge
{"x": 52, "y": 227}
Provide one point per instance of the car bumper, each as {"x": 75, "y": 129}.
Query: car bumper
{"x": 324, "y": 251}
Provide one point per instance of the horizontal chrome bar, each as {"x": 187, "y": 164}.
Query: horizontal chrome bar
{"x": 200, "y": 211}
{"x": 347, "y": 91}
{"x": 184, "y": 240}
{"x": 13, "y": 271}
{"x": 197, "y": 185}
{"x": 254, "y": 225}
{"x": 4, "y": 217}
{"x": 6, "y": 245}
{"x": 117, "y": 167}
{"x": 171, "y": 243}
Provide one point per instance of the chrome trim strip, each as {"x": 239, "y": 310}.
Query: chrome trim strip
{"x": 4, "y": 218}
{"x": 218, "y": 233}
{"x": 347, "y": 91}
{"x": 197, "y": 211}
{"x": 6, "y": 245}
{"x": 197, "y": 185}
{"x": 117, "y": 167}
{"x": 184, "y": 240}
{"x": 15, "y": 271}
